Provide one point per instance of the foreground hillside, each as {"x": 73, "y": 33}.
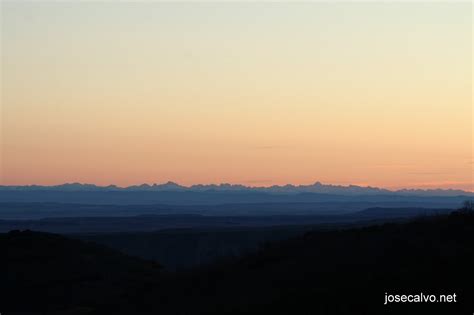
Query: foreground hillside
{"x": 326, "y": 272}
{"x": 50, "y": 273}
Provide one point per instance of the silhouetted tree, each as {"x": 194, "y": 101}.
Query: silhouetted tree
{"x": 467, "y": 206}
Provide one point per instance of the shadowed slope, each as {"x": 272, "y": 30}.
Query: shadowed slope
{"x": 323, "y": 272}
{"x": 48, "y": 272}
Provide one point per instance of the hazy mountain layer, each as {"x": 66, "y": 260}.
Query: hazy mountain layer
{"x": 285, "y": 189}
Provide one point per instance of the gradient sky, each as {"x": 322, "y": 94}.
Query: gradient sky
{"x": 251, "y": 93}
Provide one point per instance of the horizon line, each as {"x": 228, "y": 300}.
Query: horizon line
{"x": 316, "y": 183}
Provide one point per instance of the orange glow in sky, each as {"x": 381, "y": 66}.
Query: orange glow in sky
{"x": 251, "y": 93}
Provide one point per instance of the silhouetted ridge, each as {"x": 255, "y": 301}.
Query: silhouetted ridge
{"x": 323, "y": 272}
{"x": 317, "y": 187}
{"x": 52, "y": 273}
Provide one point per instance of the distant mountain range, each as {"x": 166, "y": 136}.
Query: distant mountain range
{"x": 317, "y": 187}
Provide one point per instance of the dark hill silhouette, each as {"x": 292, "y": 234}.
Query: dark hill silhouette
{"x": 345, "y": 271}
{"x": 42, "y": 272}
{"x": 349, "y": 271}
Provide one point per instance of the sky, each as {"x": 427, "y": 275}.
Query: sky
{"x": 126, "y": 93}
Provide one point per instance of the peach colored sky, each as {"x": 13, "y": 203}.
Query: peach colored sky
{"x": 251, "y": 93}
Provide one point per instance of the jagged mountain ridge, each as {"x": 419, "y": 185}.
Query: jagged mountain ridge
{"x": 317, "y": 187}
